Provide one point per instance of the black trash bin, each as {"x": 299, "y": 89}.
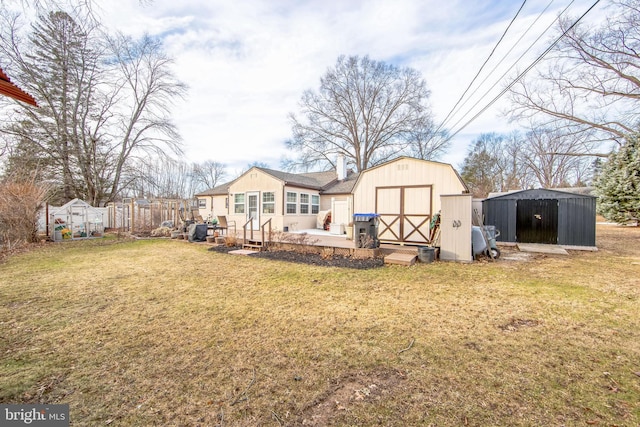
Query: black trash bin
{"x": 426, "y": 254}
{"x": 366, "y": 230}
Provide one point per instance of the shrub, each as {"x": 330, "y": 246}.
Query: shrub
{"x": 20, "y": 201}
{"x": 231, "y": 241}
{"x": 161, "y": 232}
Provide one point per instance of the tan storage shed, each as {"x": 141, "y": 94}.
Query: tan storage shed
{"x": 405, "y": 192}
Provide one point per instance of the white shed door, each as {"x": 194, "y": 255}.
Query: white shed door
{"x": 405, "y": 213}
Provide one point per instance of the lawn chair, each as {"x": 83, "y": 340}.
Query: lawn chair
{"x": 224, "y": 225}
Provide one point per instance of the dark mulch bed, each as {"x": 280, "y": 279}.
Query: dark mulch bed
{"x": 310, "y": 259}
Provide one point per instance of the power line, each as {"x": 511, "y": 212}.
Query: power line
{"x": 505, "y": 57}
{"x": 512, "y": 65}
{"x": 482, "y": 67}
{"x": 520, "y": 76}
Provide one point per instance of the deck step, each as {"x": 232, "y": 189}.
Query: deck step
{"x": 400, "y": 258}
{"x": 253, "y": 246}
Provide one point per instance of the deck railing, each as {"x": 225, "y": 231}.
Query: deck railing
{"x": 244, "y": 231}
{"x": 265, "y": 242}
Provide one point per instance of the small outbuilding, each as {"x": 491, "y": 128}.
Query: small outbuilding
{"x": 543, "y": 216}
{"x": 75, "y": 220}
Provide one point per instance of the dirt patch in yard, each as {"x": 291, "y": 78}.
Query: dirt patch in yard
{"x": 347, "y": 392}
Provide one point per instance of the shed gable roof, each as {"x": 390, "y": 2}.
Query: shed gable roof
{"x": 404, "y": 158}
{"x": 539, "y": 193}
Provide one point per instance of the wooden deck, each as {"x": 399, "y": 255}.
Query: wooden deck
{"x": 326, "y": 242}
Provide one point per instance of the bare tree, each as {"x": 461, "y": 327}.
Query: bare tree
{"x": 494, "y": 163}
{"x": 161, "y": 178}
{"x": 140, "y": 104}
{"x": 208, "y": 174}
{"x": 543, "y": 156}
{"x": 591, "y": 83}
{"x": 104, "y": 101}
{"x": 498, "y": 162}
{"x": 424, "y": 142}
{"x": 48, "y": 65}
{"x": 364, "y": 110}
{"x": 513, "y": 173}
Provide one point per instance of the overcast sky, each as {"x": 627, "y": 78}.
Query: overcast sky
{"x": 247, "y": 62}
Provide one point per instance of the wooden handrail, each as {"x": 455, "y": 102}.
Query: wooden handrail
{"x": 265, "y": 243}
{"x": 244, "y": 228}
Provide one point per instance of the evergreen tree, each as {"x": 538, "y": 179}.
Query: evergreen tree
{"x": 478, "y": 169}
{"x": 59, "y": 69}
{"x": 104, "y": 102}
{"x": 618, "y": 185}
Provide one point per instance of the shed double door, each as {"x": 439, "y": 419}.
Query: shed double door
{"x": 537, "y": 221}
{"x": 404, "y": 213}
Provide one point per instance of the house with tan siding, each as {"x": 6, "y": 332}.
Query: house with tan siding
{"x": 404, "y": 192}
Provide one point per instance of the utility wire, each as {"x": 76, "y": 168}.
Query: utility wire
{"x": 533, "y": 64}
{"x": 505, "y": 57}
{"x": 482, "y": 67}
{"x": 512, "y": 65}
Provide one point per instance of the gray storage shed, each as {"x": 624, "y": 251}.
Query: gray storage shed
{"x": 543, "y": 216}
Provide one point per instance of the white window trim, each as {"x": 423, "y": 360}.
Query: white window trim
{"x": 236, "y": 204}
{"x": 269, "y": 203}
{"x": 307, "y": 204}
{"x": 288, "y": 203}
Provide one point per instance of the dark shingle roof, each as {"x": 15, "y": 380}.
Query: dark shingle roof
{"x": 217, "y": 191}
{"x": 342, "y": 187}
{"x": 325, "y": 182}
{"x": 314, "y": 180}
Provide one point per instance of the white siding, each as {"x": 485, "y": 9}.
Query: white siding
{"x": 256, "y": 181}
{"x": 214, "y": 206}
{"x": 299, "y": 221}
{"x": 260, "y": 182}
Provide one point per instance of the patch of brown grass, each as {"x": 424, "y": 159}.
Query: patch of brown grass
{"x": 163, "y": 333}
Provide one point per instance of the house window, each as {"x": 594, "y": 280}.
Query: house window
{"x": 304, "y": 203}
{"x": 315, "y": 204}
{"x": 238, "y": 203}
{"x": 202, "y": 203}
{"x": 292, "y": 206}
{"x": 269, "y": 203}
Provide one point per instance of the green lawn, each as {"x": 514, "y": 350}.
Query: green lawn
{"x": 163, "y": 332}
